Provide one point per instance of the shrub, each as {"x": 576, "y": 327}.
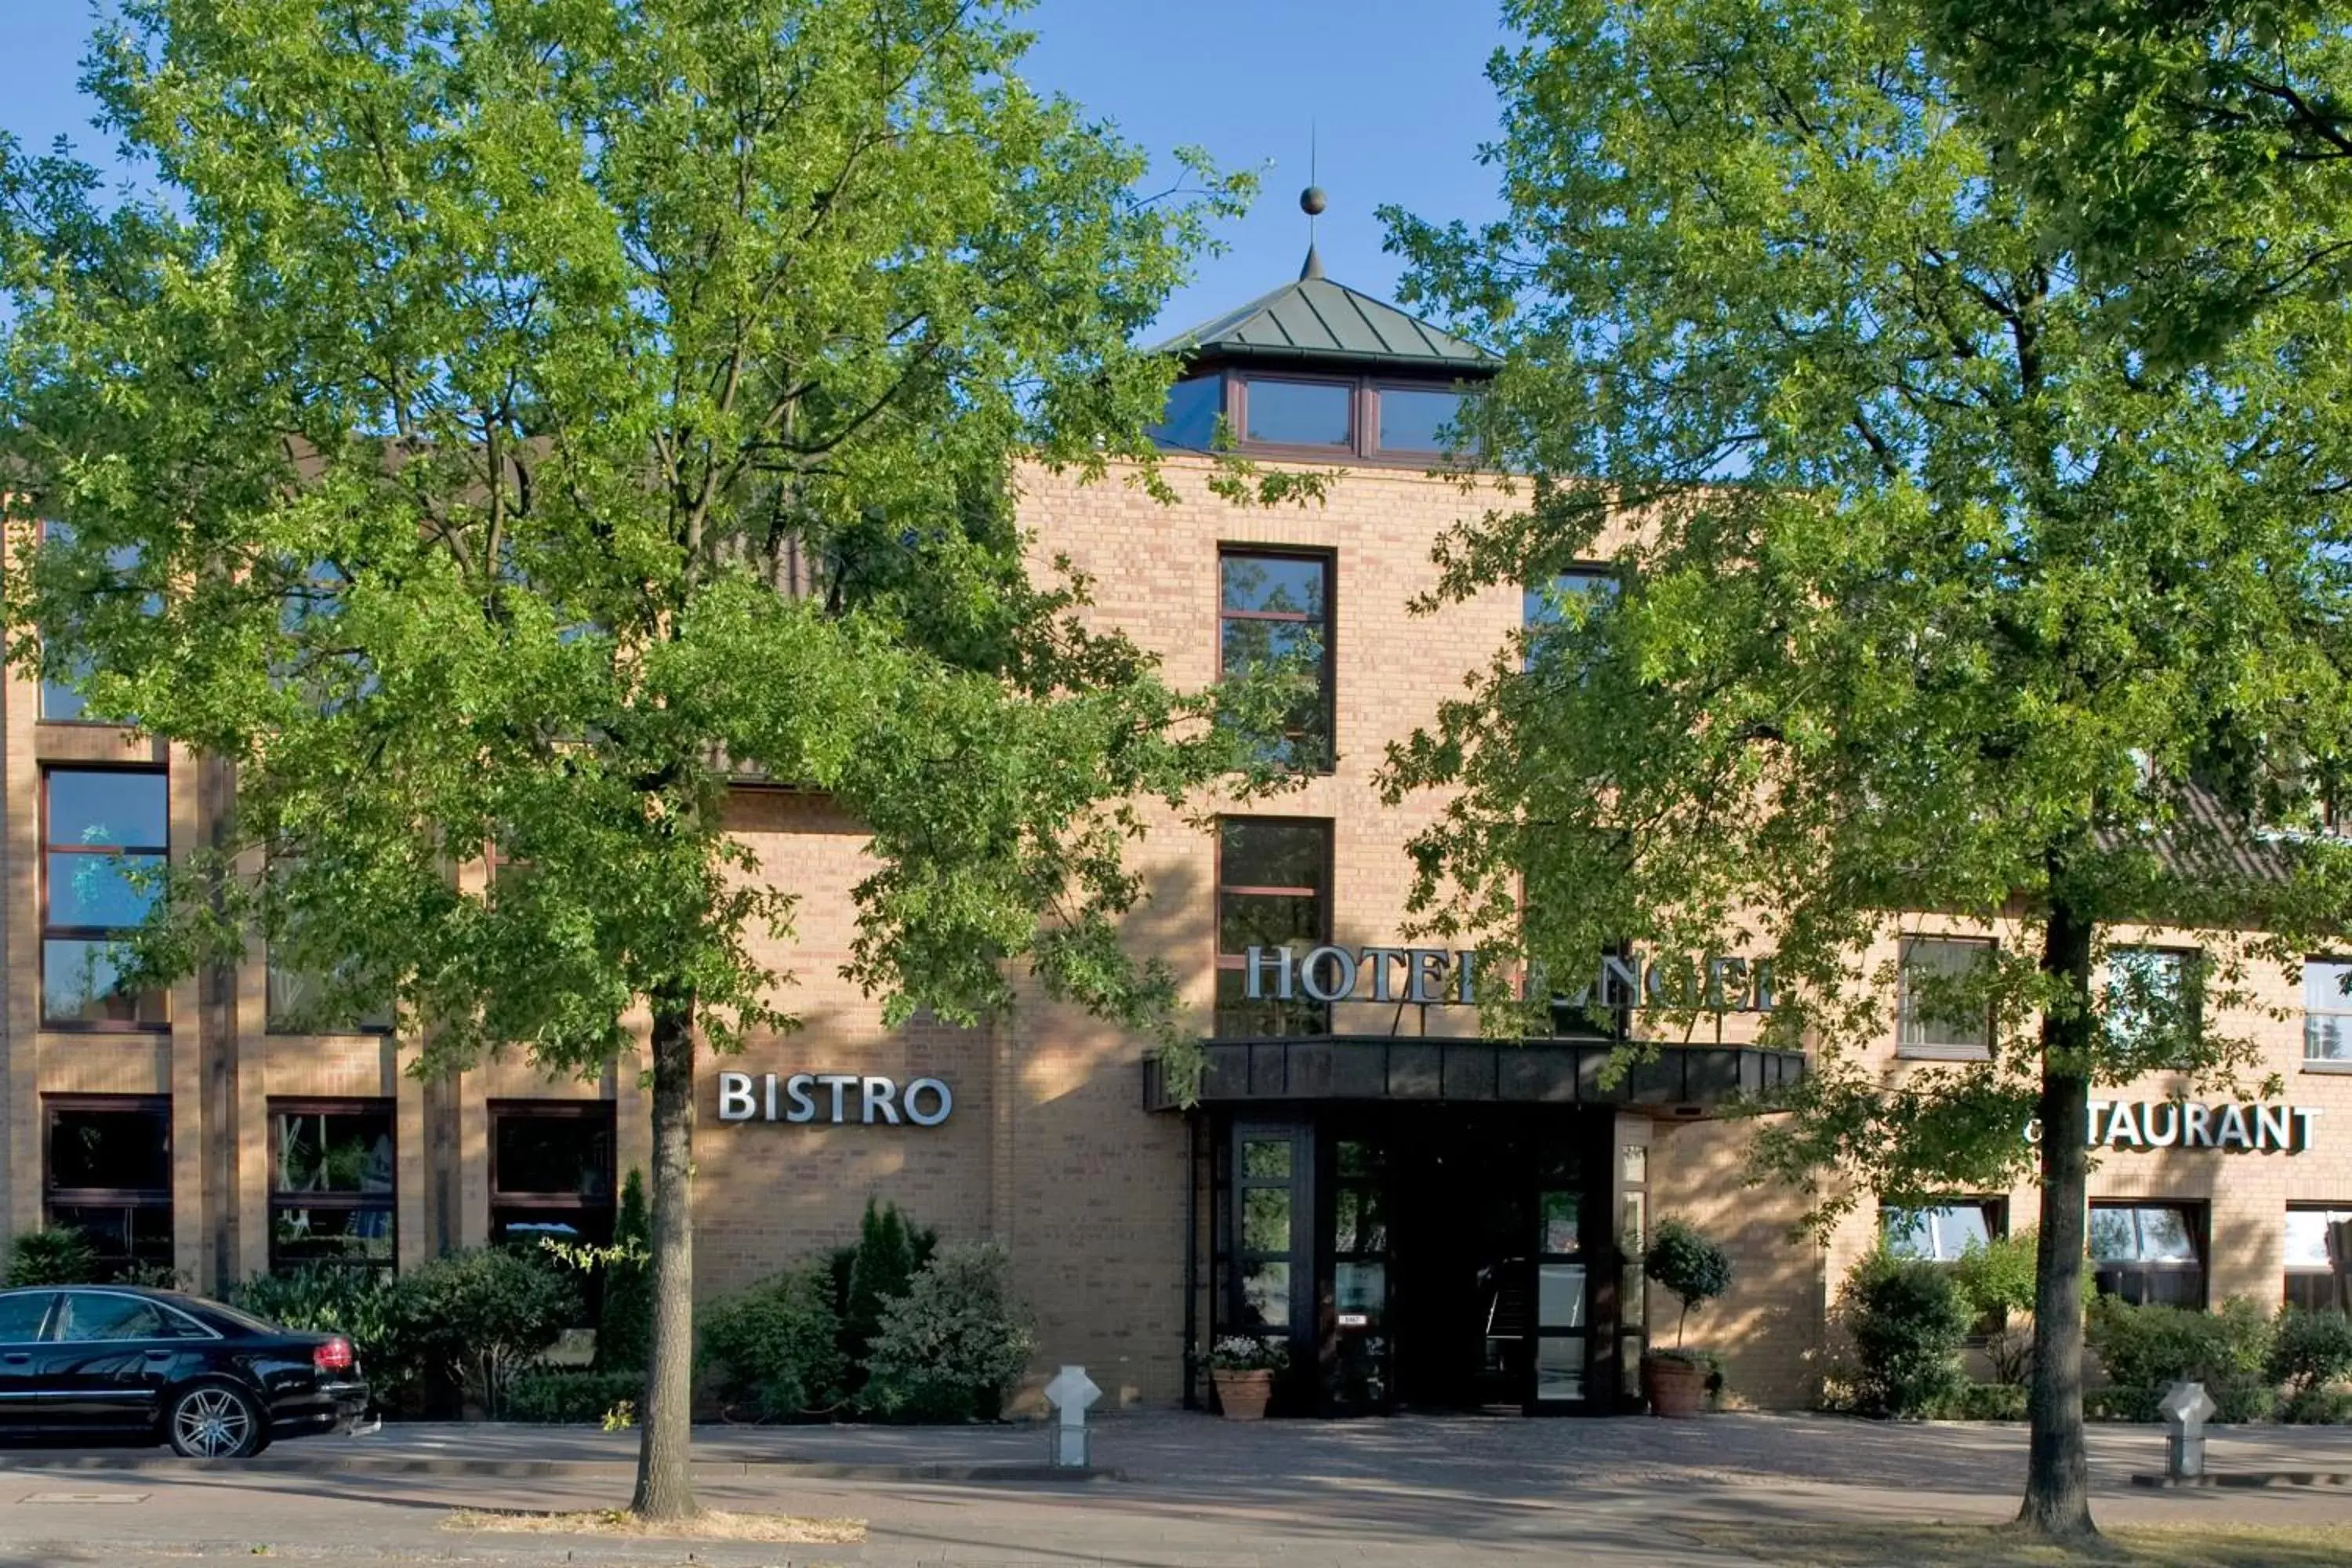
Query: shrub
{"x": 549, "y": 1395}
{"x": 2316, "y": 1407}
{"x": 2147, "y": 1349}
{"x": 1996, "y": 1277}
{"x": 60, "y": 1257}
{"x": 775, "y": 1348}
{"x": 951, "y": 1347}
{"x": 1981, "y": 1402}
{"x": 624, "y": 1324}
{"x": 368, "y": 1308}
{"x": 879, "y": 1272}
{"x": 1907, "y": 1324}
{"x": 2310, "y": 1350}
{"x": 1687, "y": 1266}
{"x": 479, "y": 1315}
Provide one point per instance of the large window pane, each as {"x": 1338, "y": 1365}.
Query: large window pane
{"x": 2328, "y": 1011}
{"x": 554, "y": 1155}
{"x": 1272, "y": 585}
{"x": 1265, "y": 1219}
{"x": 1560, "y": 1367}
{"x": 1272, "y": 853}
{"x": 295, "y": 1000}
{"x": 1189, "y": 423}
{"x": 1265, "y": 1295}
{"x": 1936, "y": 1012}
{"x": 334, "y": 1151}
{"x": 82, "y": 982}
{"x": 123, "y": 1148}
{"x": 1300, "y": 413}
{"x": 1936, "y": 1235}
{"x": 105, "y": 891}
{"x": 1419, "y": 420}
{"x": 108, "y": 807}
{"x": 313, "y": 1238}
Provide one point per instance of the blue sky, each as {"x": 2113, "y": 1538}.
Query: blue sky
{"x": 1393, "y": 89}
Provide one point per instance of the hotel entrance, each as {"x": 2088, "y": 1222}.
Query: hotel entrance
{"x": 1444, "y": 1225}
{"x": 1432, "y": 1257}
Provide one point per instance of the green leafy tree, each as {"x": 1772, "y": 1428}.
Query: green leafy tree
{"x": 507, "y": 430}
{"x": 1687, "y": 1266}
{"x": 1936, "y": 593}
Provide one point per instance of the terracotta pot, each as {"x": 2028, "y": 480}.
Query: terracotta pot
{"x": 1242, "y": 1396}
{"x": 1674, "y": 1387}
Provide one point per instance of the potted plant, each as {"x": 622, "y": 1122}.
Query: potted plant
{"x": 1694, "y": 1270}
{"x": 1241, "y": 1368}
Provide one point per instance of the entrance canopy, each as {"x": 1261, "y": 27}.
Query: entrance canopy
{"x": 1680, "y": 1081}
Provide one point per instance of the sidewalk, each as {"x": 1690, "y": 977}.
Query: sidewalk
{"x": 1406, "y": 1493}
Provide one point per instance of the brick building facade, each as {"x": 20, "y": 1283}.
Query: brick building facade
{"x": 1429, "y": 1218}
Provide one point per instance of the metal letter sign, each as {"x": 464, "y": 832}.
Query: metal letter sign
{"x": 2186, "y": 1124}
{"x": 834, "y": 1098}
{"x": 1428, "y": 974}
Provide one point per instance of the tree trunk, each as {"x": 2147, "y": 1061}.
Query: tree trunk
{"x": 664, "y": 1460}
{"x": 2057, "y": 1474}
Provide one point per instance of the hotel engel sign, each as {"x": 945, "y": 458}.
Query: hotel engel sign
{"x": 1423, "y": 975}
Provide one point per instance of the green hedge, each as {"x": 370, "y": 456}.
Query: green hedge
{"x": 2145, "y": 1350}
{"x": 561, "y": 1395}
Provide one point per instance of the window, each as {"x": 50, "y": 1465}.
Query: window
{"x": 296, "y": 1000}
{"x": 2149, "y": 1253}
{"x": 1277, "y": 413}
{"x": 552, "y": 1171}
{"x": 332, "y": 1185}
{"x": 87, "y": 1315}
{"x": 2152, "y": 1001}
{"x": 1274, "y": 618}
{"x": 1940, "y": 1234}
{"x": 2319, "y": 1259}
{"x": 1194, "y": 406}
{"x": 2328, "y": 1011}
{"x": 62, "y": 678}
{"x": 1419, "y": 419}
{"x": 104, "y": 834}
{"x": 21, "y": 1313}
{"x": 1274, "y": 881}
{"x": 1544, "y": 606}
{"x": 1937, "y": 1019}
{"x": 107, "y": 1175}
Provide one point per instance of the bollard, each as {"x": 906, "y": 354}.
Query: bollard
{"x": 1070, "y": 1394}
{"x": 2186, "y": 1407}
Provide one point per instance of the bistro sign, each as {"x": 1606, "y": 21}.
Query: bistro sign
{"x": 1436, "y": 974}
{"x": 2184, "y": 1125}
{"x": 834, "y": 1098}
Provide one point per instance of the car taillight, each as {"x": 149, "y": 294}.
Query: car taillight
{"x": 335, "y": 1355}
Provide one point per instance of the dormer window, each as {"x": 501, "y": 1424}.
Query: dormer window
{"x": 1420, "y": 419}
{"x": 1280, "y": 412}
{"x": 1307, "y": 415}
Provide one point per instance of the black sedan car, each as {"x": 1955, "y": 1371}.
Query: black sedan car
{"x": 111, "y": 1362}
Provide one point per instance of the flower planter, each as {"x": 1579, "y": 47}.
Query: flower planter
{"x": 1243, "y": 1396}
{"x": 1674, "y": 1387}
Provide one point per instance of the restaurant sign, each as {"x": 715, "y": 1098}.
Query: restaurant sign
{"x": 1436, "y": 974}
{"x": 2184, "y": 1124}
{"x": 833, "y": 1098}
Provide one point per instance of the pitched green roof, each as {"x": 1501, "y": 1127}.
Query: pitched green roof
{"x": 1316, "y": 318}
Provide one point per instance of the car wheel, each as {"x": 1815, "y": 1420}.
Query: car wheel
{"x": 215, "y": 1421}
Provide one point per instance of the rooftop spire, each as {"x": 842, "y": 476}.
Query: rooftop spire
{"x": 1311, "y": 202}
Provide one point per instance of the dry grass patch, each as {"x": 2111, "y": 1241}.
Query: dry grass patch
{"x": 708, "y": 1526}
{"x": 1999, "y": 1546}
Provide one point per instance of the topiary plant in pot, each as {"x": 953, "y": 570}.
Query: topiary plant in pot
{"x": 1694, "y": 1270}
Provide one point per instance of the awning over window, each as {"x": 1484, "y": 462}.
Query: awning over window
{"x": 1677, "y": 1081}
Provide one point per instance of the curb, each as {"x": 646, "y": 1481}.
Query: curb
{"x": 533, "y": 1469}
{"x": 2247, "y": 1479}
